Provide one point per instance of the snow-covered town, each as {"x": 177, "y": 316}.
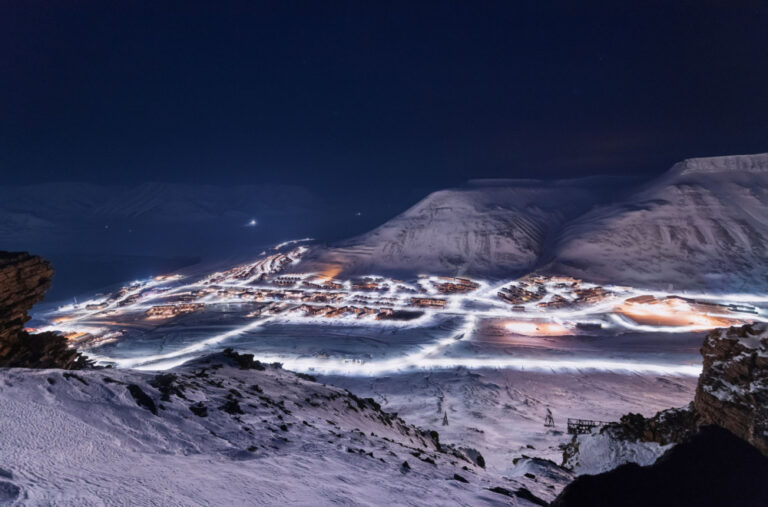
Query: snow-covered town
{"x": 273, "y": 291}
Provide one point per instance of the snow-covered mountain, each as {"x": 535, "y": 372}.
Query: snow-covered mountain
{"x": 487, "y": 227}
{"x": 702, "y": 225}
{"x": 224, "y": 430}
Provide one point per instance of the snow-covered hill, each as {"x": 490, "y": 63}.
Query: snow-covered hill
{"x": 222, "y": 431}
{"x": 487, "y": 228}
{"x": 702, "y": 225}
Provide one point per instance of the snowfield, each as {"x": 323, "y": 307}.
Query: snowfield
{"x": 214, "y": 434}
{"x": 501, "y": 412}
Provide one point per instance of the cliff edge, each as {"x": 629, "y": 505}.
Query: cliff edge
{"x": 24, "y": 280}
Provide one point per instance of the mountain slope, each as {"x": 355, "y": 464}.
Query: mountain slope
{"x": 487, "y": 228}
{"x": 225, "y": 430}
{"x": 704, "y": 224}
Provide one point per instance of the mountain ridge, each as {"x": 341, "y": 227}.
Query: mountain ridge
{"x": 698, "y": 226}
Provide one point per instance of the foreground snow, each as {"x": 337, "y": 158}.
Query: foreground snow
{"x": 91, "y": 438}
{"x": 501, "y": 412}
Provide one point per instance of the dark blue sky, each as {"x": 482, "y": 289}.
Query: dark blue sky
{"x": 372, "y": 96}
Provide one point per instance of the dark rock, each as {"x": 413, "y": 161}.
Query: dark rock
{"x": 199, "y": 409}
{"x": 473, "y": 456}
{"x": 712, "y": 468}
{"x": 232, "y": 407}
{"x": 167, "y": 384}
{"x": 502, "y": 491}
{"x": 668, "y": 426}
{"x": 142, "y": 399}
{"x": 24, "y": 279}
{"x": 8, "y": 492}
{"x": 243, "y": 361}
{"x": 525, "y": 494}
{"x": 459, "y": 478}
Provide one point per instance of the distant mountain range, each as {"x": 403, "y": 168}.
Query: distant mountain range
{"x": 701, "y": 225}
{"x": 62, "y": 216}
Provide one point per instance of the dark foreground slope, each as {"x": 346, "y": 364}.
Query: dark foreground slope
{"x": 712, "y": 468}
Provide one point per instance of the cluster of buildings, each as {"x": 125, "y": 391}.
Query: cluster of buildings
{"x": 521, "y": 294}
{"x": 257, "y": 271}
{"x": 168, "y": 311}
{"x": 447, "y": 285}
{"x": 329, "y": 312}
{"x": 425, "y": 302}
{"x": 562, "y": 291}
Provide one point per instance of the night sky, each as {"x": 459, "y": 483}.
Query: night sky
{"x": 374, "y": 96}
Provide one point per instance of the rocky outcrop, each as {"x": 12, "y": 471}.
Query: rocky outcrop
{"x": 732, "y": 393}
{"x": 24, "y": 279}
{"x": 666, "y": 427}
{"x": 712, "y": 468}
{"x": 733, "y": 387}
{"x": 709, "y": 465}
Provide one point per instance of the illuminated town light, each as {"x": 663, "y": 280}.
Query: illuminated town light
{"x": 268, "y": 291}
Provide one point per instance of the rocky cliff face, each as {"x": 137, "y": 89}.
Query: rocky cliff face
{"x": 24, "y": 279}
{"x": 732, "y": 393}
{"x": 709, "y": 465}
{"x": 733, "y": 386}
